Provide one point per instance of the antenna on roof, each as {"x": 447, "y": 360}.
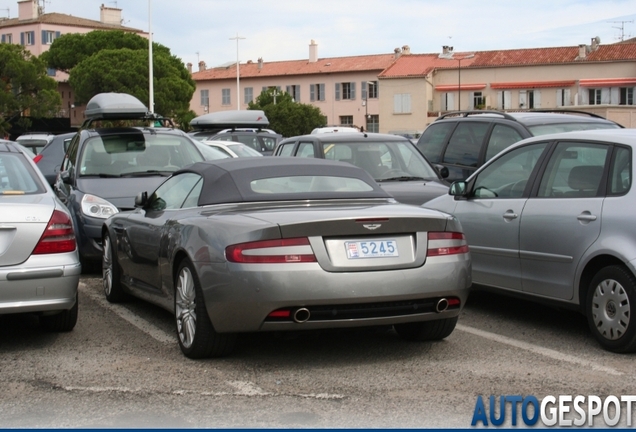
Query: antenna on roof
{"x": 621, "y": 28}
{"x": 8, "y": 13}
{"x": 41, "y": 6}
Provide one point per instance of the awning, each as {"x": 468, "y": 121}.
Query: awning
{"x": 455, "y": 87}
{"x": 532, "y": 84}
{"x": 607, "y": 82}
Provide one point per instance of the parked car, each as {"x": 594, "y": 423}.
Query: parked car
{"x": 463, "y": 141}
{"x": 550, "y": 218}
{"x": 105, "y": 167}
{"x": 332, "y": 129}
{"x": 35, "y": 141}
{"x": 39, "y": 264}
{"x": 246, "y": 126}
{"x": 49, "y": 159}
{"x": 275, "y": 244}
{"x": 233, "y": 149}
{"x": 391, "y": 160}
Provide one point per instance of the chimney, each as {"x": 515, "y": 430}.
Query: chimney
{"x": 398, "y": 53}
{"x": 28, "y": 9}
{"x": 406, "y": 50}
{"x": 447, "y": 50}
{"x": 313, "y": 52}
{"x": 595, "y": 43}
{"x": 260, "y": 63}
{"x": 201, "y": 66}
{"x": 582, "y": 51}
{"x": 109, "y": 15}
{"x": 189, "y": 66}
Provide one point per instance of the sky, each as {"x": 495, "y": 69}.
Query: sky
{"x": 275, "y": 30}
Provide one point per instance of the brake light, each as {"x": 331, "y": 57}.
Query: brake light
{"x": 294, "y": 250}
{"x": 37, "y": 158}
{"x": 446, "y": 243}
{"x": 58, "y": 236}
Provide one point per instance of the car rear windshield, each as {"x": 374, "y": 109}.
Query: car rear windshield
{"x": 544, "y": 129}
{"x": 311, "y": 183}
{"x": 17, "y": 177}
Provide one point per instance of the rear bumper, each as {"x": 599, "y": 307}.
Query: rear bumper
{"x": 239, "y": 298}
{"x": 39, "y": 286}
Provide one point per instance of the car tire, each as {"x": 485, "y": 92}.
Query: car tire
{"x": 426, "y": 330}
{"x": 611, "y": 295}
{"x": 61, "y": 322}
{"x": 195, "y": 332}
{"x": 111, "y": 272}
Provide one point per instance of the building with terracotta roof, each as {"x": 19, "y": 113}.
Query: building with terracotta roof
{"x": 36, "y": 31}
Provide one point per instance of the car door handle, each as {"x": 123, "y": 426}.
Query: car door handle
{"x": 586, "y": 217}
{"x": 510, "y": 215}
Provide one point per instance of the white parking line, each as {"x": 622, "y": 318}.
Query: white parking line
{"x": 143, "y": 325}
{"x": 547, "y": 352}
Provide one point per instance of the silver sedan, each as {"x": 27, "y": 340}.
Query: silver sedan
{"x": 39, "y": 263}
{"x": 279, "y": 244}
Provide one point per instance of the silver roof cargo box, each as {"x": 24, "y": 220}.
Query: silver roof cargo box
{"x": 231, "y": 120}
{"x": 120, "y": 106}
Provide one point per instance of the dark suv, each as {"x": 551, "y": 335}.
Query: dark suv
{"x": 463, "y": 141}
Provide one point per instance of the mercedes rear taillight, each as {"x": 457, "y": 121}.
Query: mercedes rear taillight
{"x": 58, "y": 236}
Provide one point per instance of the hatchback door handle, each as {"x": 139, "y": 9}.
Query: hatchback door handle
{"x": 509, "y": 215}
{"x": 586, "y": 217}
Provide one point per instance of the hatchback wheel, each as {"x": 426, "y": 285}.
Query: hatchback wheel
{"x": 197, "y": 337}
{"x": 610, "y": 298}
{"x": 426, "y": 330}
{"x": 111, "y": 272}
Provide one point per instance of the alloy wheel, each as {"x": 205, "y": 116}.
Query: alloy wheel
{"x": 107, "y": 267}
{"x": 185, "y": 306}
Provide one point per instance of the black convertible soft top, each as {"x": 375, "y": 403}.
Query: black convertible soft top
{"x": 228, "y": 180}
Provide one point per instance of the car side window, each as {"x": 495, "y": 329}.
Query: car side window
{"x": 432, "y": 141}
{"x": 507, "y": 176}
{"x": 305, "y": 150}
{"x": 268, "y": 143}
{"x": 621, "y": 171}
{"x": 501, "y": 138}
{"x": 173, "y": 192}
{"x": 575, "y": 170}
{"x": 250, "y": 141}
{"x": 286, "y": 149}
{"x": 464, "y": 145}
{"x": 68, "y": 164}
{"x": 193, "y": 197}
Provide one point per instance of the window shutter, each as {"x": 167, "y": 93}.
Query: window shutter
{"x": 406, "y": 106}
{"x": 33, "y": 37}
{"x": 22, "y": 38}
{"x": 605, "y": 96}
{"x": 312, "y": 92}
{"x": 363, "y": 90}
{"x": 615, "y": 97}
{"x": 288, "y": 90}
{"x": 337, "y": 91}
{"x": 57, "y": 34}
{"x": 499, "y": 100}
{"x": 523, "y": 100}
{"x": 450, "y": 102}
{"x": 584, "y": 95}
{"x": 397, "y": 103}
{"x": 471, "y": 101}
{"x": 507, "y": 101}
{"x": 560, "y": 97}
{"x": 537, "y": 99}
{"x": 44, "y": 36}
{"x": 297, "y": 94}
{"x": 566, "y": 97}
{"x": 353, "y": 90}
{"x": 322, "y": 92}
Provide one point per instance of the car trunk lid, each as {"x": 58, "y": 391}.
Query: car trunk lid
{"x": 22, "y": 222}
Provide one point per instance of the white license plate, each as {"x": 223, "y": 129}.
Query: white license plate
{"x": 371, "y": 249}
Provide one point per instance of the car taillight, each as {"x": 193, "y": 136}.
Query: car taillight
{"x": 58, "y": 236}
{"x": 294, "y": 250}
{"x": 37, "y": 158}
{"x": 446, "y": 243}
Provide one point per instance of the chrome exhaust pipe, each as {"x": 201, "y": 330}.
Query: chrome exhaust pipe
{"x": 441, "y": 305}
{"x": 301, "y": 315}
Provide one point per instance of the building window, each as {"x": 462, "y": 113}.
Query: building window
{"x": 479, "y": 99}
{"x": 225, "y": 97}
{"x": 49, "y": 36}
{"x": 294, "y": 92}
{"x": 346, "y": 91}
{"x": 7, "y": 38}
{"x": 249, "y": 95}
{"x": 529, "y": 99}
{"x": 316, "y": 92}
{"x": 346, "y": 120}
{"x": 594, "y": 96}
{"x": 27, "y": 38}
{"x": 50, "y": 72}
{"x": 205, "y": 98}
{"x": 626, "y": 96}
{"x": 563, "y": 97}
{"x": 448, "y": 102}
{"x": 402, "y": 103}
{"x": 369, "y": 90}
{"x": 373, "y": 123}
{"x": 504, "y": 99}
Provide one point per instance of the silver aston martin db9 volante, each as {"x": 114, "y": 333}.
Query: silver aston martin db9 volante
{"x": 276, "y": 244}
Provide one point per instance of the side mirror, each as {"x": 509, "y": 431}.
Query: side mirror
{"x": 458, "y": 188}
{"x": 141, "y": 199}
{"x": 442, "y": 170}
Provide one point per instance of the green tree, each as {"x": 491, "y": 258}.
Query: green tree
{"x": 25, "y": 87}
{"x": 116, "y": 61}
{"x": 287, "y": 117}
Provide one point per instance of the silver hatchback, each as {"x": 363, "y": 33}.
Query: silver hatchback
{"x": 552, "y": 218}
{"x": 39, "y": 263}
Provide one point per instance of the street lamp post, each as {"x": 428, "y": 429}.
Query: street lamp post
{"x": 238, "y": 99}
{"x": 459, "y": 78}
{"x": 151, "y": 90}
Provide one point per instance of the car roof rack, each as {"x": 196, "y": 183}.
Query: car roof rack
{"x": 475, "y": 112}
{"x": 231, "y": 120}
{"x": 566, "y": 111}
{"x": 119, "y": 106}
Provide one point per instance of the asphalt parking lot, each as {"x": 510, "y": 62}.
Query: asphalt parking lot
{"x": 121, "y": 367}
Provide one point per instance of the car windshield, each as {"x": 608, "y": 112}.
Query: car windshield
{"x": 544, "y": 129}
{"x": 385, "y": 161}
{"x": 137, "y": 153}
{"x": 17, "y": 176}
